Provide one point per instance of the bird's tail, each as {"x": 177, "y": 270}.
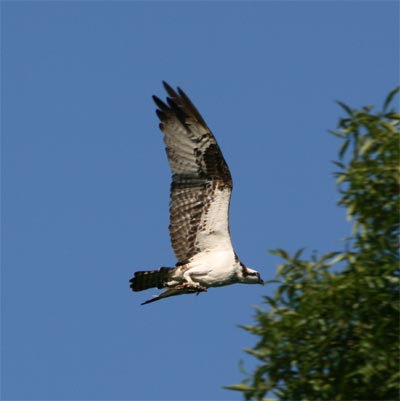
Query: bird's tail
{"x": 143, "y": 280}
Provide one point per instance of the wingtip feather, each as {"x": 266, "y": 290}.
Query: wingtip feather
{"x": 169, "y": 89}
{"x": 159, "y": 103}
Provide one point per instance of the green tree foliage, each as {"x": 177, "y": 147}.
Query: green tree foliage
{"x": 331, "y": 330}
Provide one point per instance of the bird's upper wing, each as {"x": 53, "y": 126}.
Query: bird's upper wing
{"x": 201, "y": 182}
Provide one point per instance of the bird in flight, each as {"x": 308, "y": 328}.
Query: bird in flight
{"x": 199, "y": 207}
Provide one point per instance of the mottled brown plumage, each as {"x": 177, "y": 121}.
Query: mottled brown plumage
{"x": 198, "y": 169}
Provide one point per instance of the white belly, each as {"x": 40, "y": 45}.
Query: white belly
{"x": 213, "y": 269}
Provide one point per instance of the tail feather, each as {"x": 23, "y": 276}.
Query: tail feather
{"x": 144, "y": 280}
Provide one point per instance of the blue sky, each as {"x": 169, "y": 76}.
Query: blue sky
{"x": 85, "y": 181}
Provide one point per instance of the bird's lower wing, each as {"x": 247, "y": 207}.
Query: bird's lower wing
{"x": 178, "y": 290}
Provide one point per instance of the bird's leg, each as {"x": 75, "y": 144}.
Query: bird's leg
{"x": 192, "y": 284}
{"x": 189, "y": 280}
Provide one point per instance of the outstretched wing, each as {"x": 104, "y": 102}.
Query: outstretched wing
{"x": 201, "y": 182}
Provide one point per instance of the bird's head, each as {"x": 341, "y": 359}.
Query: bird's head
{"x": 249, "y": 276}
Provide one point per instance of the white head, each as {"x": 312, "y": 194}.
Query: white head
{"x": 249, "y": 276}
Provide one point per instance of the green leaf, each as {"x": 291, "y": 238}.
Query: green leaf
{"x": 390, "y": 97}
{"x": 343, "y": 148}
{"x": 337, "y": 259}
{"x": 239, "y": 387}
{"x": 272, "y": 282}
{"x": 393, "y": 116}
{"x": 327, "y": 256}
{"x": 388, "y": 126}
{"x": 346, "y": 108}
{"x": 298, "y": 253}
{"x": 338, "y": 134}
{"x": 366, "y": 146}
{"x": 341, "y": 177}
{"x": 339, "y": 164}
{"x": 279, "y": 252}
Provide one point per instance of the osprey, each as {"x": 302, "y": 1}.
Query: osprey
{"x": 200, "y": 194}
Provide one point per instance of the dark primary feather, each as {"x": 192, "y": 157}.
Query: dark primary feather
{"x": 198, "y": 167}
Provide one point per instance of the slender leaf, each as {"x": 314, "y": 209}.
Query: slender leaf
{"x": 390, "y": 97}
{"x": 346, "y": 108}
